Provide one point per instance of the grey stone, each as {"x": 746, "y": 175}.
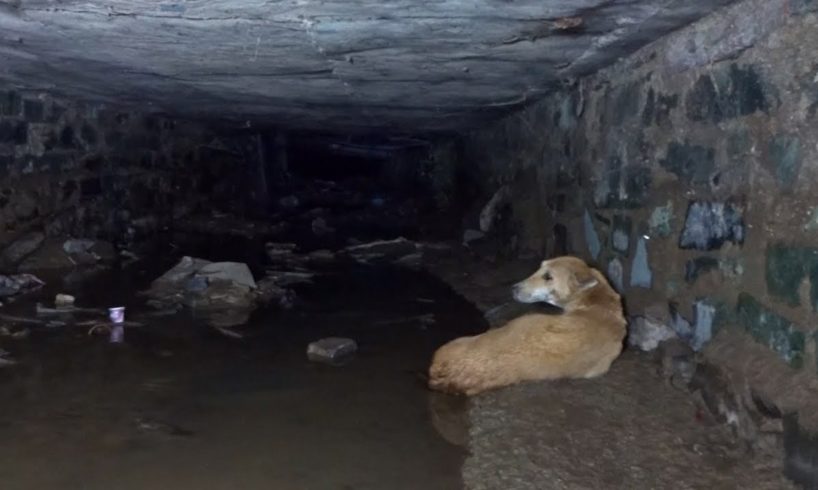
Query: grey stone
{"x": 383, "y": 251}
{"x": 235, "y": 272}
{"x": 621, "y": 234}
{"x": 641, "y": 273}
{"x": 182, "y": 271}
{"x": 471, "y": 236}
{"x": 661, "y": 220}
{"x": 331, "y": 349}
{"x": 196, "y": 284}
{"x": 681, "y": 325}
{"x": 489, "y": 213}
{"x": 646, "y": 333}
{"x": 785, "y": 153}
{"x": 703, "y": 329}
{"x": 616, "y": 274}
{"x": 710, "y": 224}
{"x": 22, "y": 247}
{"x": 19, "y": 283}
{"x": 623, "y": 186}
{"x": 591, "y": 236}
{"x": 698, "y": 333}
{"x": 77, "y": 246}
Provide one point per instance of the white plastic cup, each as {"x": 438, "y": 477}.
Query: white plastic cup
{"x": 117, "y": 314}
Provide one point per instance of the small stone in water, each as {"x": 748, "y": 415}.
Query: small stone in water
{"x": 331, "y": 349}
{"x": 63, "y": 300}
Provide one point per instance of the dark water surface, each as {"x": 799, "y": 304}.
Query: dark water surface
{"x": 180, "y": 406}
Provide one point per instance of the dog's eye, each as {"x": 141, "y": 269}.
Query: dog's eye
{"x": 547, "y": 276}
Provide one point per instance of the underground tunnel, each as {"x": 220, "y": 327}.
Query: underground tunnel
{"x": 242, "y": 241}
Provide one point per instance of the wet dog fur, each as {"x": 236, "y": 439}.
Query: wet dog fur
{"x": 580, "y": 342}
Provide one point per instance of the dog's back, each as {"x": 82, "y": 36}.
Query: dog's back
{"x": 582, "y": 342}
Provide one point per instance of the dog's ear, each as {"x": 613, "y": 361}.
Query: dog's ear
{"x": 585, "y": 280}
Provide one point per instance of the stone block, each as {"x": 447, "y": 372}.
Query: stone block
{"x": 591, "y": 236}
{"x": 661, "y": 220}
{"x": 736, "y": 91}
{"x": 771, "y": 329}
{"x": 785, "y": 155}
{"x": 699, "y": 332}
{"x": 623, "y": 186}
{"x": 641, "y": 273}
{"x": 331, "y": 350}
{"x": 786, "y": 269}
{"x": 616, "y": 274}
{"x": 621, "y": 234}
{"x": 709, "y": 225}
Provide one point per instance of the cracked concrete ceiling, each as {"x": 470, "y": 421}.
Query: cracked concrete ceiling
{"x": 338, "y": 65}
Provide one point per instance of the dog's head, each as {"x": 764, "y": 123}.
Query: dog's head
{"x": 557, "y": 282}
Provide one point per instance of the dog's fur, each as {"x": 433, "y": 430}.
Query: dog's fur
{"x": 581, "y": 342}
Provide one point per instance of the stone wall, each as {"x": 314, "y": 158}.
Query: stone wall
{"x": 688, "y": 173}
{"x": 90, "y": 171}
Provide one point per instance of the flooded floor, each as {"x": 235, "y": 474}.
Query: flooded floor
{"x": 180, "y": 406}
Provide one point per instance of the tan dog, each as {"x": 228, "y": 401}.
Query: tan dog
{"x": 581, "y": 342}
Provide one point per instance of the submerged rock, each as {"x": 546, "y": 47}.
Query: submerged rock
{"x": 331, "y": 349}
{"x": 223, "y": 294}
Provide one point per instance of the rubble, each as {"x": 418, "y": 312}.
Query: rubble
{"x": 399, "y": 251}
{"x": 56, "y": 254}
{"x": 331, "y": 350}
{"x": 646, "y": 333}
{"x": 224, "y": 294}
{"x": 11, "y": 285}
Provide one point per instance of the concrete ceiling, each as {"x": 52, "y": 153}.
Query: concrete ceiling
{"x": 338, "y": 65}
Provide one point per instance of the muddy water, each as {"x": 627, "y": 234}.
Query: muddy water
{"x": 179, "y": 406}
